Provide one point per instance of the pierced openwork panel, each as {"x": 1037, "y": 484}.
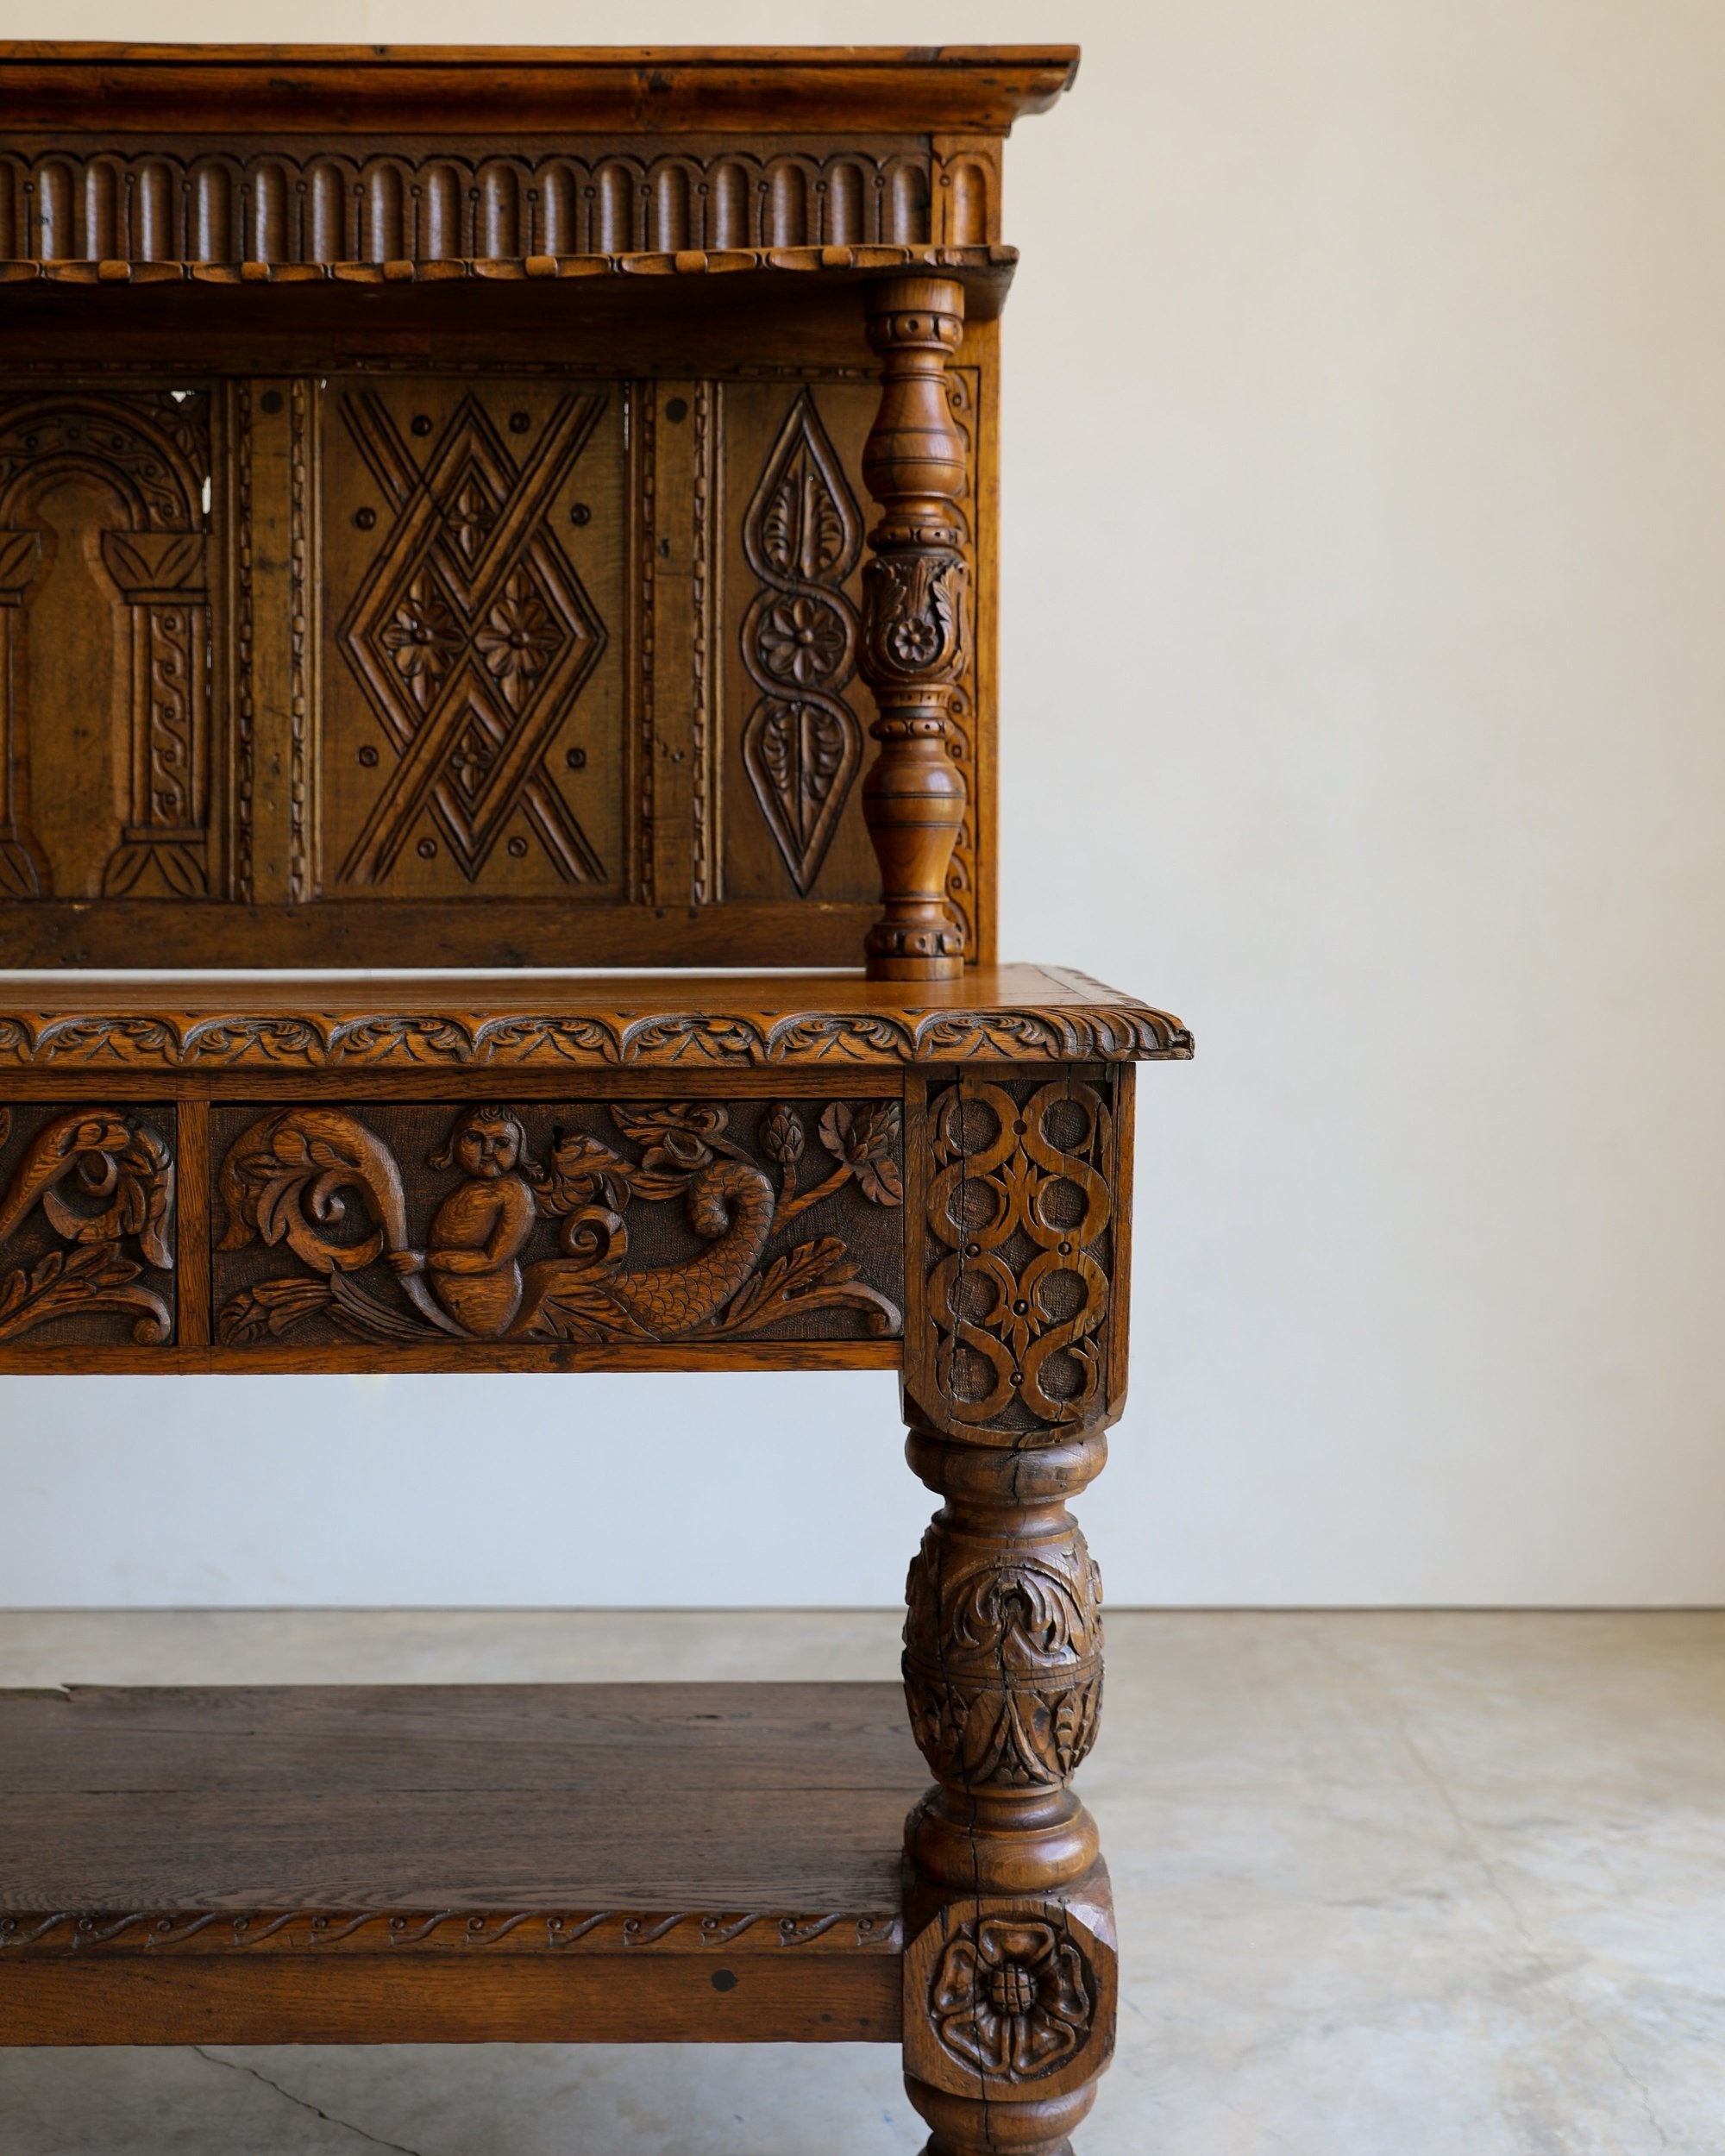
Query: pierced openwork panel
{"x": 581, "y": 1222}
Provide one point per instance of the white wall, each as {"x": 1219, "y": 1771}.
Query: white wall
{"x": 1364, "y": 702}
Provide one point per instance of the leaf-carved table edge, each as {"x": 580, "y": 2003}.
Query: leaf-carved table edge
{"x": 1064, "y": 1018}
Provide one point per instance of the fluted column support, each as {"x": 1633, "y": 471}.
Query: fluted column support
{"x": 916, "y": 627}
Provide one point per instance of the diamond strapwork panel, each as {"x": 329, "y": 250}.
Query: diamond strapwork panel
{"x": 476, "y": 543}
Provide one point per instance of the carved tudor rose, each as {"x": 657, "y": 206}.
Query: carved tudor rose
{"x": 1010, "y": 1998}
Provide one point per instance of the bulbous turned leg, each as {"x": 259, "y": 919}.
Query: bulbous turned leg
{"x": 969, "y": 2125}
{"x": 1010, "y": 1976}
{"x": 1003, "y": 1663}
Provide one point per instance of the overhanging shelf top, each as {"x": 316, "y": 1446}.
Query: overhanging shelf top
{"x": 984, "y": 272}
{"x": 125, "y": 89}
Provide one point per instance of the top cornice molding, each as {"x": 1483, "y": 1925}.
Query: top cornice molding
{"x": 163, "y": 90}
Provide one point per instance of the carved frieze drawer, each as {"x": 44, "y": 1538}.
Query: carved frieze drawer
{"x": 87, "y": 1223}
{"x": 545, "y": 1222}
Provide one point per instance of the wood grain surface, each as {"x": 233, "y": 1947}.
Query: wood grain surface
{"x": 418, "y": 1799}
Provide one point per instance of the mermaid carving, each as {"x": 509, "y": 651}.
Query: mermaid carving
{"x": 291, "y": 1177}
{"x": 482, "y": 1227}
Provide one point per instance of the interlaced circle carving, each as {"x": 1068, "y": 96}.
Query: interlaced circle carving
{"x": 1020, "y": 1294}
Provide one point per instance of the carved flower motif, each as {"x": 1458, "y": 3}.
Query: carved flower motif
{"x": 802, "y": 640}
{"x": 1011, "y": 2000}
{"x": 423, "y": 638}
{"x": 519, "y": 636}
{"x": 469, "y": 516}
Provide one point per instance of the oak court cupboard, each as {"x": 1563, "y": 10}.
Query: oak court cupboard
{"x": 470, "y": 512}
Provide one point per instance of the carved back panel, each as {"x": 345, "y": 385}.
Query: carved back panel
{"x": 439, "y": 537}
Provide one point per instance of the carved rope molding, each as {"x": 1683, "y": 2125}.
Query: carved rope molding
{"x": 59, "y": 1932}
{"x": 313, "y": 1040}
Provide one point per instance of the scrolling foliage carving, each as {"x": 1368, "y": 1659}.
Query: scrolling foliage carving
{"x": 101, "y": 1183}
{"x": 1020, "y": 1212}
{"x": 535, "y": 1229}
{"x": 802, "y": 744}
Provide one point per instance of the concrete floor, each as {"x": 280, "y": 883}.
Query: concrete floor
{"x": 1389, "y": 1885}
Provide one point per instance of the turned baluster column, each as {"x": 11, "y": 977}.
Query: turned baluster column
{"x": 1014, "y": 1367}
{"x": 915, "y": 628}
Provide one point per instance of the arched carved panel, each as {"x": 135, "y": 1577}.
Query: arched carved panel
{"x": 106, "y": 629}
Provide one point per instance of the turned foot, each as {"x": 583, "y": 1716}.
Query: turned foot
{"x": 969, "y": 2125}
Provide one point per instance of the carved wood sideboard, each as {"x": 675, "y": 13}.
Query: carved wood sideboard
{"x": 432, "y": 536}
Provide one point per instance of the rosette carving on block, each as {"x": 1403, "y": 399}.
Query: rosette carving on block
{"x": 1009, "y": 2016}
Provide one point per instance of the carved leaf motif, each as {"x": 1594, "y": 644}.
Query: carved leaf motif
{"x": 144, "y": 561}
{"x": 676, "y": 1139}
{"x": 76, "y": 1284}
{"x": 802, "y": 525}
{"x": 814, "y": 1276}
{"x": 802, "y": 760}
{"x": 866, "y": 1144}
{"x": 125, "y": 1173}
{"x": 105, "y": 1157}
{"x": 20, "y": 553}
